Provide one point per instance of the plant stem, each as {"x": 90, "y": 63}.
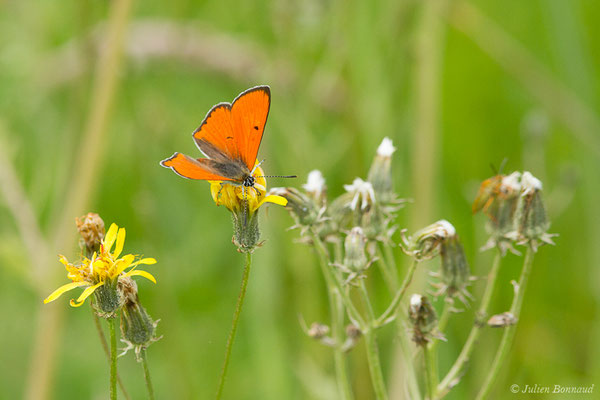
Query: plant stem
{"x": 336, "y": 305}
{"x": 339, "y": 357}
{"x": 457, "y": 368}
{"x": 372, "y": 349}
{"x": 509, "y": 332}
{"x": 391, "y": 310}
{"x": 331, "y": 278}
{"x": 113, "y": 358}
{"x": 390, "y": 276}
{"x": 147, "y": 375}
{"x": 236, "y": 316}
{"x": 107, "y": 350}
{"x": 430, "y": 365}
{"x": 403, "y": 360}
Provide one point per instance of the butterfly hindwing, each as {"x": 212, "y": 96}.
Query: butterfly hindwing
{"x": 191, "y": 168}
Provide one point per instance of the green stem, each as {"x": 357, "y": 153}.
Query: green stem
{"x": 509, "y": 332}
{"x": 113, "y": 358}
{"x": 332, "y": 279}
{"x": 339, "y": 357}
{"x": 430, "y": 365}
{"x": 234, "y": 324}
{"x": 147, "y": 375}
{"x": 372, "y": 349}
{"x": 389, "y": 276}
{"x": 457, "y": 368}
{"x": 336, "y": 306}
{"x": 391, "y": 310}
{"x": 405, "y": 358}
{"x": 107, "y": 350}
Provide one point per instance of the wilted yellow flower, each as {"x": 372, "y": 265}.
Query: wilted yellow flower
{"x": 103, "y": 270}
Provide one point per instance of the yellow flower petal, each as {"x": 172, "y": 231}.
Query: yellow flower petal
{"x": 123, "y": 264}
{"x": 86, "y": 293}
{"x": 120, "y": 243}
{"x": 147, "y": 261}
{"x": 282, "y": 201}
{"x": 139, "y": 272}
{"x": 110, "y": 236}
{"x": 64, "y": 288}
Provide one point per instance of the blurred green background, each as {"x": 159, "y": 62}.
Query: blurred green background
{"x": 458, "y": 85}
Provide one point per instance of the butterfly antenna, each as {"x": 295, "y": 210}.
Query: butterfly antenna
{"x": 277, "y": 176}
{"x": 256, "y": 166}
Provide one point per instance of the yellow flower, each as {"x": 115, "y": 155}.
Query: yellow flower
{"x": 105, "y": 268}
{"x": 243, "y": 202}
{"x": 232, "y": 196}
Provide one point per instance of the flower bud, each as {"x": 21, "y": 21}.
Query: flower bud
{"x": 362, "y": 193}
{"x": 137, "y": 328}
{"x": 303, "y": 209}
{"x": 425, "y": 243}
{"x": 355, "y": 259}
{"x": 380, "y": 174}
{"x": 108, "y": 299}
{"x": 91, "y": 229}
{"x": 315, "y": 187}
{"x": 531, "y": 221}
{"x": 423, "y": 319}
{"x": 454, "y": 269}
{"x": 246, "y": 235}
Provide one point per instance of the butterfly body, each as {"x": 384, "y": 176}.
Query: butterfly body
{"x": 229, "y": 137}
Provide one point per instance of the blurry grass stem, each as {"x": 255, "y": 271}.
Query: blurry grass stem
{"x": 147, "y": 378}
{"x": 457, "y": 369}
{"x": 234, "y": 324}
{"x": 556, "y": 97}
{"x": 427, "y": 76}
{"x": 509, "y": 331}
{"x": 86, "y": 169}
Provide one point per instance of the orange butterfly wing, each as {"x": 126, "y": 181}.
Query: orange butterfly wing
{"x": 236, "y": 129}
{"x": 191, "y": 168}
{"x": 249, "y": 114}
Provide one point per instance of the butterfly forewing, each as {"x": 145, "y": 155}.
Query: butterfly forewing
{"x": 249, "y": 116}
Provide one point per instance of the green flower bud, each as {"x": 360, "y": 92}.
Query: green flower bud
{"x": 246, "y": 235}
{"x": 355, "y": 259}
{"x": 454, "y": 269}
{"x": 303, "y": 209}
{"x": 380, "y": 174}
{"x": 137, "y": 328}
{"x": 108, "y": 299}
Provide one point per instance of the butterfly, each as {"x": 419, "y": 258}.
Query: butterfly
{"x": 229, "y": 137}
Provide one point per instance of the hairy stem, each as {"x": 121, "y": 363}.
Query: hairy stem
{"x": 234, "y": 324}
{"x": 509, "y": 332}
